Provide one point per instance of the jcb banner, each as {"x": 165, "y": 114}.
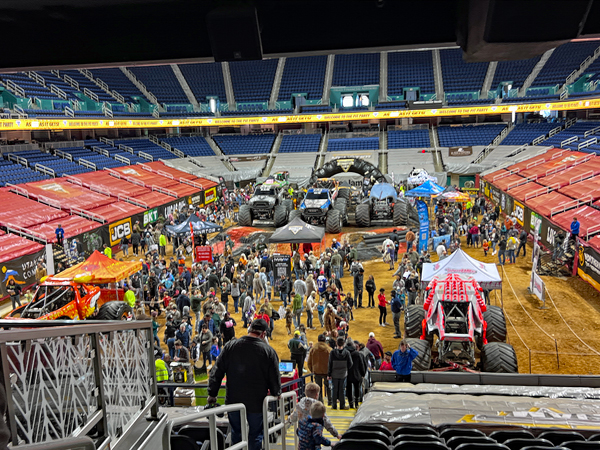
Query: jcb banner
{"x": 518, "y": 212}
{"x": 119, "y": 230}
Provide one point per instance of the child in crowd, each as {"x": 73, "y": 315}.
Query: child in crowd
{"x": 269, "y": 290}
{"x": 214, "y": 350}
{"x": 303, "y": 407}
{"x": 288, "y": 319}
{"x": 387, "y": 362}
{"x": 485, "y": 246}
{"x": 310, "y": 431}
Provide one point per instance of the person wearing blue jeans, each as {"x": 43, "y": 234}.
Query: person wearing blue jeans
{"x": 252, "y": 370}
{"x": 502, "y": 251}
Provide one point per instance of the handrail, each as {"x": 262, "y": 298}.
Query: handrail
{"x": 581, "y": 177}
{"x": 72, "y": 443}
{"x": 114, "y": 173}
{"x": 267, "y": 431}
{"x": 145, "y": 167}
{"x": 100, "y": 190}
{"x": 102, "y": 151}
{"x": 29, "y": 234}
{"x": 58, "y": 91}
{"x": 45, "y": 170}
{"x": 122, "y": 159}
{"x": 211, "y": 415}
{"x": 74, "y": 180}
{"x": 87, "y": 214}
{"x": 165, "y": 174}
{"x": 564, "y": 206}
{"x": 553, "y": 131}
{"x": 146, "y": 156}
{"x": 518, "y": 183}
{"x": 589, "y": 231}
{"x": 133, "y": 201}
{"x": 191, "y": 183}
{"x": 164, "y": 191}
{"x": 569, "y": 140}
{"x": 587, "y": 143}
{"x": 86, "y": 163}
{"x": 592, "y": 131}
{"x": 135, "y": 181}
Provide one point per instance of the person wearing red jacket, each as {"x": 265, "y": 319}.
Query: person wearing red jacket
{"x": 387, "y": 362}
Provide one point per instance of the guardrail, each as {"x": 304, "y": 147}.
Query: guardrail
{"x": 122, "y": 159}
{"x": 592, "y": 131}
{"x": 58, "y": 91}
{"x": 212, "y": 421}
{"x": 146, "y": 156}
{"x": 91, "y": 375}
{"x": 45, "y": 170}
{"x": 279, "y": 413}
{"x": 587, "y": 143}
{"x": 76, "y": 443}
{"x": 133, "y": 201}
{"x": 164, "y": 191}
{"x": 23, "y": 232}
{"x": 102, "y": 151}
{"x": 570, "y": 205}
{"x": 86, "y": 163}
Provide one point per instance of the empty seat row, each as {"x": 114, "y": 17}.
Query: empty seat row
{"x": 298, "y": 143}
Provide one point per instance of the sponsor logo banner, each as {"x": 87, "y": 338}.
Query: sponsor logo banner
{"x": 589, "y": 265}
{"x": 460, "y": 151}
{"x": 519, "y": 212}
{"x": 150, "y": 216}
{"x": 119, "y": 230}
{"x": 21, "y": 270}
{"x": 424, "y": 224}
{"x": 210, "y": 195}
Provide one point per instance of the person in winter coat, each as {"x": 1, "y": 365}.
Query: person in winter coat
{"x": 205, "y": 338}
{"x": 402, "y": 361}
{"x": 359, "y": 276}
{"x": 355, "y": 374}
{"x": 387, "y": 362}
{"x": 296, "y": 308}
{"x": 376, "y": 349}
{"x": 318, "y": 361}
{"x": 227, "y": 328}
{"x": 257, "y": 286}
{"x": 311, "y": 306}
{"x": 397, "y": 305}
{"x": 329, "y": 318}
{"x": 284, "y": 289}
{"x": 312, "y": 393}
{"x": 370, "y": 287}
{"x": 297, "y": 351}
{"x": 310, "y": 431}
{"x": 340, "y": 363}
{"x": 311, "y": 285}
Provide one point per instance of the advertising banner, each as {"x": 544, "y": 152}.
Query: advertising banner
{"x": 282, "y": 265}
{"x": 535, "y": 224}
{"x": 460, "y": 151}
{"x": 21, "y": 270}
{"x": 203, "y": 253}
{"x": 210, "y": 195}
{"x": 118, "y": 230}
{"x": 588, "y": 267}
{"x": 150, "y": 216}
{"x": 424, "y": 225}
{"x": 537, "y": 286}
{"x": 519, "y": 212}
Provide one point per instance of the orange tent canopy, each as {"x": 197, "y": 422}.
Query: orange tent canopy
{"x": 99, "y": 269}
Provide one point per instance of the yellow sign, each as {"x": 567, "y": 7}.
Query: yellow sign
{"x": 210, "y": 195}
{"x": 119, "y": 230}
{"x": 78, "y": 123}
{"x": 519, "y": 212}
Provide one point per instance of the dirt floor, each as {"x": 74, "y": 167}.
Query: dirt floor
{"x": 562, "y": 338}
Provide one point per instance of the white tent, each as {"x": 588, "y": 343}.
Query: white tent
{"x": 486, "y": 274}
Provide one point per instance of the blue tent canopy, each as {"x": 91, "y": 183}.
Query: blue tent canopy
{"x": 383, "y": 190}
{"x": 200, "y": 227}
{"x": 427, "y": 189}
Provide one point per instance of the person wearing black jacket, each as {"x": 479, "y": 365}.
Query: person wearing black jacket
{"x": 340, "y": 363}
{"x": 522, "y": 243}
{"x": 359, "y": 276}
{"x": 284, "y": 290}
{"x": 252, "y": 370}
{"x": 370, "y": 288}
{"x": 355, "y": 374}
{"x": 213, "y": 281}
{"x": 227, "y": 328}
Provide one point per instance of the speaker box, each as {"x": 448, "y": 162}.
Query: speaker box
{"x": 234, "y": 34}
{"x": 496, "y": 30}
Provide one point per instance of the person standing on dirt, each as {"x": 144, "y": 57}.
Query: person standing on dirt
{"x": 502, "y": 251}
{"x": 412, "y": 287}
{"x": 370, "y": 288}
{"x": 318, "y": 361}
{"x": 397, "y": 305}
{"x": 359, "y": 276}
{"x": 382, "y": 308}
{"x": 402, "y": 360}
{"x": 522, "y": 243}
{"x": 511, "y": 245}
{"x": 410, "y": 239}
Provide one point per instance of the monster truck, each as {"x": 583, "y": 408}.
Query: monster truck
{"x": 67, "y": 300}
{"x": 455, "y": 312}
{"x": 269, "y": 202}
{"x": 383, "y": 204}
{"x": 322, "y": 206}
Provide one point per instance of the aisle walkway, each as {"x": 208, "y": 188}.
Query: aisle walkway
{"x": 341, "y": 421}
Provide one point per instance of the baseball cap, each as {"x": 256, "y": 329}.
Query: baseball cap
{"x": 388, "y": 353}
{"x": 259, "y": 325}
{"x": 296, "y": 333}
{"x": 371, "y": 334}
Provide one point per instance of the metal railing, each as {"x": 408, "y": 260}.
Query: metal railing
{"x": 36, "y": 77}
{"x": 212, "y": 421}
{"x": 75, "y": 443}
{"x": 279, "y": 413}
{"x": 146, "y": 156}
{"x": 91, "y": 375}
{"x": 58, "y": 92}
{"x": 71, "y": 82}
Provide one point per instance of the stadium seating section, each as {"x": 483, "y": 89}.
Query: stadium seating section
{"x": 563, "y": 61}
{"x": 513, "y": 71}
{"x": 190, "y": 145}
{"x": 410, "y": 69}
{"x": 253, "y": 80}
{"x": 148, "y": 147}
{"x": 365, "y": 143}
{"x": 468, "y": 135}
{"x": 119, "y": 82}
{"x": 205, "y": 80}
{"x": 13, "y": 173}
{"x": 60, "y": 166}
{"x": 525, "y": 133}
{"x": 305, "y": 74}
{"x": 356, "y": 70}
{"x": 577, "y": 130}
{"x": 245, "y": 145}
{"x": 458, "y": 75}
{"x": 162, "y": 82}
{"x": 297, "y": 143}
{"x": 408, "y": 139}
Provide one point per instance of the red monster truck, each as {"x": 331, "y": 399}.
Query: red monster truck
{"x": 455, "y": 313}
{"x": 67, "y": 300}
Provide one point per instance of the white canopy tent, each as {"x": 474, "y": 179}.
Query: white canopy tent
{"x": 486, "y": 274}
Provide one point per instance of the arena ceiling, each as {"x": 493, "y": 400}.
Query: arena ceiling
{"x": 78, "y": 33}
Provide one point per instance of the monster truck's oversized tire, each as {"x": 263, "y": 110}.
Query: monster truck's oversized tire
{"x": 333, "y": 223}
{"x": 496, "y": 324}
{"x": 413, "y": 215}
{"x": 289, "y": 204}
{"x": 344, "y": 193}
{"x": 280, "y": 216}
{"x": 400, "y": 213}
{"x": 423, "y": 360}
{"x": 245, "y": 216}
{"x": 363, "y": 215}
{"x": 295, "y": 213}
{"x": 116, "y": 310}
{"x": 341, "y": 205}
{"x": 413, "y": 321}
{"x": 499, "y": 357}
